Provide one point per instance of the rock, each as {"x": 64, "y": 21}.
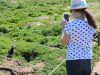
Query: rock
{"x": 15, "y": 67}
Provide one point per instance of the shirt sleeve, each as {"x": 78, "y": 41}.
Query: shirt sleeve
{"x": 67, "y": 28}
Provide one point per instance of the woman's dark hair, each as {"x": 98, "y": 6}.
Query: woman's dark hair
{"x": 88, "y": 16}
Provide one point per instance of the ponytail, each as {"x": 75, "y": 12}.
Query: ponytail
{"x": 88, "y": 16}
{"x": 90, "y": 19}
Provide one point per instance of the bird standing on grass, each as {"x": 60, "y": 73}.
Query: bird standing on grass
{"x": 11, "y": 51}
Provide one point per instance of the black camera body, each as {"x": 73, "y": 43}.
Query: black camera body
{"x": 66, "y": 16}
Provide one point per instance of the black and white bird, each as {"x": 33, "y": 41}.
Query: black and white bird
{"x": 12, "y": 49}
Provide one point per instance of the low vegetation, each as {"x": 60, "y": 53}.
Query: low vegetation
{"x": 35, "y": 25}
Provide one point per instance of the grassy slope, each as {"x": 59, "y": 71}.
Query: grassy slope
{"x": 42, "y": 37}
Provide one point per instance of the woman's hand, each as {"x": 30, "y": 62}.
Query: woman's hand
{"x": 63, "y": 23}
{"x": 65, "y": 39}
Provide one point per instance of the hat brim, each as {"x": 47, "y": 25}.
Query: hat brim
{"x": 81, "y": 7}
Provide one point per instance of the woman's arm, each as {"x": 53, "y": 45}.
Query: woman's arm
{"x": 64, "y": 36}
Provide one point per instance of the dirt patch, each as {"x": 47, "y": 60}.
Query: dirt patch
{"x": 96, "y": 69}
{"x": 39, "y": 66}
{"x": 16, "y": 71}
{"x": 5, "y": 73}
{"x": 10, "y": 62}
{"x": 15, "y": 67}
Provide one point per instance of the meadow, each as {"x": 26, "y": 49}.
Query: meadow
{"x": 35, "y": 25}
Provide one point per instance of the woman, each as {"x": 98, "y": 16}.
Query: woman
{"x": 77, "y": 35}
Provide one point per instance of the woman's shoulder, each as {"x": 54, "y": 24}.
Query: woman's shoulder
{"x": 76, "y": 21}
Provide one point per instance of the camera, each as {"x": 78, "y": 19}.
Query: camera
{"x": 66, "y": 16}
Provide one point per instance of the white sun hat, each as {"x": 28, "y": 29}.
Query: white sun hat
{"x": 78, "y": 4}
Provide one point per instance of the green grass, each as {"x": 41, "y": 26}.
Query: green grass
{"x": 43, "y": 39}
